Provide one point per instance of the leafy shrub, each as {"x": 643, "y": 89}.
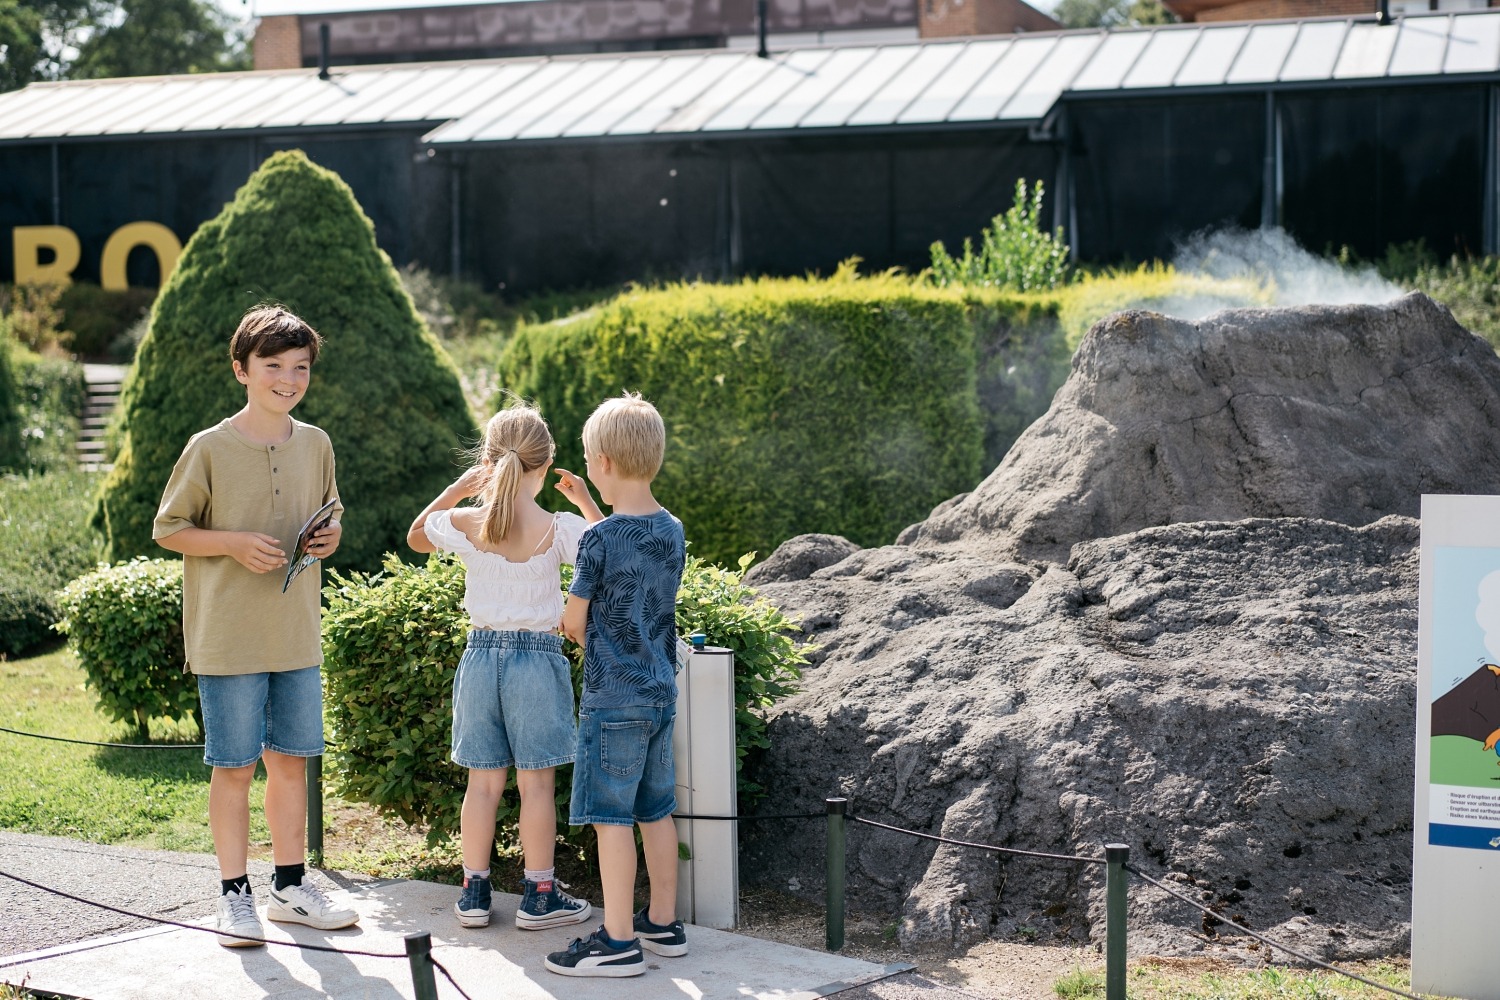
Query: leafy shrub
{"x": 391, "y": 645}
{"x": 35, "y": 316}
{"x": 1469, "y": 287}
{"x": 95, "y": 319}
{"x": 50, "y": 394}
{"x": 846, "y": 405}
{"x": 1014, "y": 252}
{"x": 125, "y": 624}
{"x": 382, "y": 388}
{"x": 11, "y": 455}
{"x": 45, "y": 541}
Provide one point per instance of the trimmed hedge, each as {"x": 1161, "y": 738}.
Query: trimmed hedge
{"x": 125, "y": 624}
{"x": 391, "y": 645}
{"x": 382, "y": 388}
{"x": 11, "y": 455}
{"x": 50, "y": 396}
{"x": 846, "y": 405}
{"x": 45, "y": 541}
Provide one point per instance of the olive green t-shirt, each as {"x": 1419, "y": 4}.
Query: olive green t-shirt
{"x": 235, "y": 621}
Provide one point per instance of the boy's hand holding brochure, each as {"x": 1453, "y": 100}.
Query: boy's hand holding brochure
{"x": 318, "y": 539}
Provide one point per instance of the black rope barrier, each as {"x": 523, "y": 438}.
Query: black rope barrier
{"x": 115, "y": 746}
{"x": 751, "y": 819}
{"x": 982, "y": 847}
{"x": 1265, "y": 940}
{"x": 211, "y": 930}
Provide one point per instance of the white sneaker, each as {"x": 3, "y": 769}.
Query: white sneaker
{"x": 237, "y": 916}
{"x": 307, "y": 904}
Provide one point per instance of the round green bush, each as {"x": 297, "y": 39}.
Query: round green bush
{"x": 391, "y": 645}
{"x": 846, "y": 405}
{"x": 124, "y": 623}
{"x": 382, "y": 388}
{"x": 45, "y": 541}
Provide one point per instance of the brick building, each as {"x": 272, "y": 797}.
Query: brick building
{"x": 1267, "y": 10}
{"x": 287, "y": 33}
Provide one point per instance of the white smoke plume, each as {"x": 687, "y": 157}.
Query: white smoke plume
{"x": 1272, "y": 259}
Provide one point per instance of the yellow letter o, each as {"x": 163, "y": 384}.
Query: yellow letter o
{"x": 125, "y": 239}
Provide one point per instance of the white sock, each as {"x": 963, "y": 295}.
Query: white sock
{"x": 540, "y": 874}
{"x": 471, "y": 873}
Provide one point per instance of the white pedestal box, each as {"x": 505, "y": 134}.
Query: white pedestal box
{"x": 703, "y": 740}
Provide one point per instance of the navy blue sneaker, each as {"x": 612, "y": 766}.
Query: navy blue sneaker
{"x": 473, "y": 906}
{"x": 593, "y": 956}
{"x": 660, "y": 939}
{"x": 544, "y": 904}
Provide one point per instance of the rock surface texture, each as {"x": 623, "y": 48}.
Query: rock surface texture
{"x": 1180, "y": 615}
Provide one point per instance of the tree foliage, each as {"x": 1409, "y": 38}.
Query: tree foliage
{"x": 1111, "y": 13}
{"x": 91, "y": 39}
{"x": 383, "y": 388}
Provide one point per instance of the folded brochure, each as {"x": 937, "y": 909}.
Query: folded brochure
{"x": 301, "y": 558}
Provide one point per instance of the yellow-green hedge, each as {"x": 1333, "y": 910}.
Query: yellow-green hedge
{"x": 848, "y": 405}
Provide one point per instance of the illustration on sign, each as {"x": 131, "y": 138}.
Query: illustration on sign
{"x": 1464, "y": 807}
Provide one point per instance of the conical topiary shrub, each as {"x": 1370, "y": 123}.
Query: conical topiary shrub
{"x": 382, "y": 388}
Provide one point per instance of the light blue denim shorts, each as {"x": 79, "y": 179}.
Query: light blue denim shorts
{"x": 625, "y": 772}
{"x": 512, "y": 702}
{"x": 244, "y": 714}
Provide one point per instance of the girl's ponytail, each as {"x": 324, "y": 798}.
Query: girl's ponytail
{"x": 516, "y": 441}
{"x": 499, "y": 496}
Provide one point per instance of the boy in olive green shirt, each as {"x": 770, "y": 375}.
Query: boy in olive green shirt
{"x": 240, "y": 491}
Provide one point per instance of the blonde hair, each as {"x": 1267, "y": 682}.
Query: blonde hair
{"x": 630, "y": 431}
{"x": 516, "y": 441}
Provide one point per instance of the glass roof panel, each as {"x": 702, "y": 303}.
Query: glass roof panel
{"x": 1367, "y": 50}
{"x": 1002, "y": 82}
{"x": 515, "y": 123}
{"x": 1042, "y": 89}
{"x": 679, "y": 94}
{"x": 543, "y": 76}
{"x": 632, "y": 84}
{"x": 1265, "y": 51}
{"x": 856, "y": 91}
{"x": 1473, "y": 46}
{"x": 748, "y": 72}
{"x": 111, "y": 101}
{"x": 1113, "y": 60}
{"x": 315, "y": 100}
{"x": 786, "y": 72}
{"x": 1315, "y": 51}
{"x": 1421, "y": 46}
{"x": 1162, "y": 58}
{"x": 408, "y": 103}
{"x": 370, "y": 90}
{"x": 898, "y": 93}
{"x": 51, "y": 116}
{"x": 951, "y": 85}
{"x": 818, "y": 84}
{"x": 1212, "y": 56}
{"x": 198, "y": 113}
{"x": 582, "y": 96}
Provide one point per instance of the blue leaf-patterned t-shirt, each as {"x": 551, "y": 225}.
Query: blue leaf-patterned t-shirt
{"x": 629, "y": 568}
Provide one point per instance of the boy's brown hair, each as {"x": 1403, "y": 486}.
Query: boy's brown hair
{"x": 270, "y": 329}
{"x": 630, "y": 431}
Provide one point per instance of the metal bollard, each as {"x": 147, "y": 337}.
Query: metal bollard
{"x": 315, "y": 811}
{"x": 1115, "y": 856}
{"x": 837, "y": 809}
{"x": 419, "y": 954}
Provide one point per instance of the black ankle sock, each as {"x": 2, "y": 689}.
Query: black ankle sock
{"x": 289, "y": 875}
{"x": 241, "y": 884}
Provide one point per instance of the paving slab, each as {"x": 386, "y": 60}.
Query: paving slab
{"x": 493, "y": 962}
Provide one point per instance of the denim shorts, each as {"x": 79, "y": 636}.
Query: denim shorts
{"x": 244, "y": 714}
{"x": 625, "y": 772}
{"x": 512, "y": 702}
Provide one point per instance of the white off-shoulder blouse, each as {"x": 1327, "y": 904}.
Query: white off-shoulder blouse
{"x": 505, "y": 595}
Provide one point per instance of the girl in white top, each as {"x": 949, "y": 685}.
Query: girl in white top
{"x": 513, "y": 692}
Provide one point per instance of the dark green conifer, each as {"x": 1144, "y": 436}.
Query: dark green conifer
{"x": 383, "y": 388}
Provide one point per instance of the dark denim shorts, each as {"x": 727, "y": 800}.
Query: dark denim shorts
{"x": 625, "y": 772}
